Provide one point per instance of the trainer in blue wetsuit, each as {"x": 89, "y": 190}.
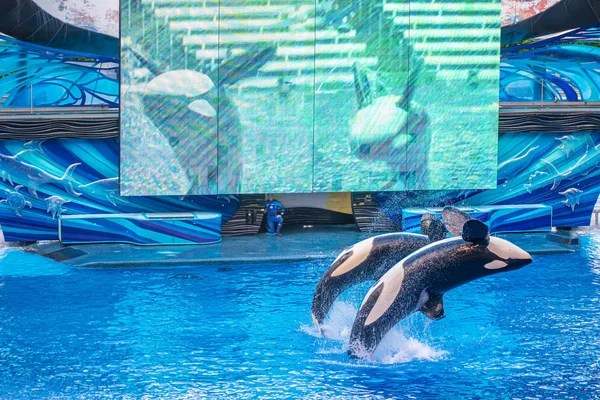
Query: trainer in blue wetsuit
{"x": 273, "y": 206}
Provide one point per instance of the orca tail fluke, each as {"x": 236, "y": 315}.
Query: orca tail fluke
{"x": 454, "y": 219}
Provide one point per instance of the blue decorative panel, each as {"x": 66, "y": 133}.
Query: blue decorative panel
{"x": 37, "y": 76}
{"x": 562, "y": 68}
{"x": 72, "y": 176}
{"x": 141, "y": 229}
{"x": 42, "y": 180}
{"x": 499, "y": 218}
{"x": 558, "y": 170}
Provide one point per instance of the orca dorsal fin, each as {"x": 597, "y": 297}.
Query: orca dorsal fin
{"x": 477, "y": 232}
{"x": 433, "y": 308}
{"x": 454, "y": 220}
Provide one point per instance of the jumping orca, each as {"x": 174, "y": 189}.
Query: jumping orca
{"x": 365, "y": 261}
{"x": 389, "y": 127}
{"x": 193, "y": 111}
{"x": 418, "y": 282}
{"x": 368, "y": 260}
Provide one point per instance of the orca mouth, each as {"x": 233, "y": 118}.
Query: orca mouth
{"x": 522, "y": 258}
{"x": 518, "y": 263}
{"x": 523, "y": 262}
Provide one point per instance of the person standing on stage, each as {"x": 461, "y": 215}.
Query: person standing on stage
{"x": 275, "y": 212}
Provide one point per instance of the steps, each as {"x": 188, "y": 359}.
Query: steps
{"x": 304, "y": 57}
{"x": 248, "y": 218}
{"x": 369, "y": 217}
{"x": 459, "y": 40}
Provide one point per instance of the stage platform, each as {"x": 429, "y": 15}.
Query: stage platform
{"x": 298, "y": 244}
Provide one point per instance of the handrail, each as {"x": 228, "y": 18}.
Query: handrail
{"x": 58, "y": 112}
{"x": 595, "y": 217}
{"x": 504, "y": 107}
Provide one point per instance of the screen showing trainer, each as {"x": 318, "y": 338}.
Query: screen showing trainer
{"x": 225, "y": 97}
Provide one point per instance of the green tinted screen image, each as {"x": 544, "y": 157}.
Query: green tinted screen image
{"x": 256, "y": 96}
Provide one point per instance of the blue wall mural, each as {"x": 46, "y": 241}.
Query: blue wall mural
{"x": 561, "y": 68}
{"x": 44, "y": 179}
{"x": 558, "y": 170}
{"x": 38, "y": 76}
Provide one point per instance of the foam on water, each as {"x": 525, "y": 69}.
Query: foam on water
{"x": 395, "y": 347}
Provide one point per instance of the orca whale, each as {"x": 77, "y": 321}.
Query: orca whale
{"x": 419, "y": 281}
{"x": 212, "y": 125}
{"x": 368, "y": 260}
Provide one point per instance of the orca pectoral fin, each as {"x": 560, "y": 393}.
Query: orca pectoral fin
{"x": 477, "y": 232}
{"x": 433, "y": 308}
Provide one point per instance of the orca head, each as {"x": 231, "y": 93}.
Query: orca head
{"x": 506, "y": 256}
{"x": 499, "y": 255}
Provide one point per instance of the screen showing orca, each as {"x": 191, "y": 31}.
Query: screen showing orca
{"x": 305, "y": 96}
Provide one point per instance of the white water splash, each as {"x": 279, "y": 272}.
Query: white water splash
{"x": 397, "y": 348}
{"x": 394, "y": 348}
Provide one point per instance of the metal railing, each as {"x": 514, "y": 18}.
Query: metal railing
{"x": 595, "y": 217}
{"x": 58, "y": 112}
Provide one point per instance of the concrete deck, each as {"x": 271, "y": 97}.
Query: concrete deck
{"x": 297, "y": 244}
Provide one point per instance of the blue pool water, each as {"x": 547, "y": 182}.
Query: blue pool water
{"x": 245, "y": 332}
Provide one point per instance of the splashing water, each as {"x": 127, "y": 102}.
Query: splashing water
{"x": 397, "y": 348}
{"x": 394, "y": 348}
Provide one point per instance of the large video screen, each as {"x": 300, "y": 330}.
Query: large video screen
{"x": 236, "y": 96}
